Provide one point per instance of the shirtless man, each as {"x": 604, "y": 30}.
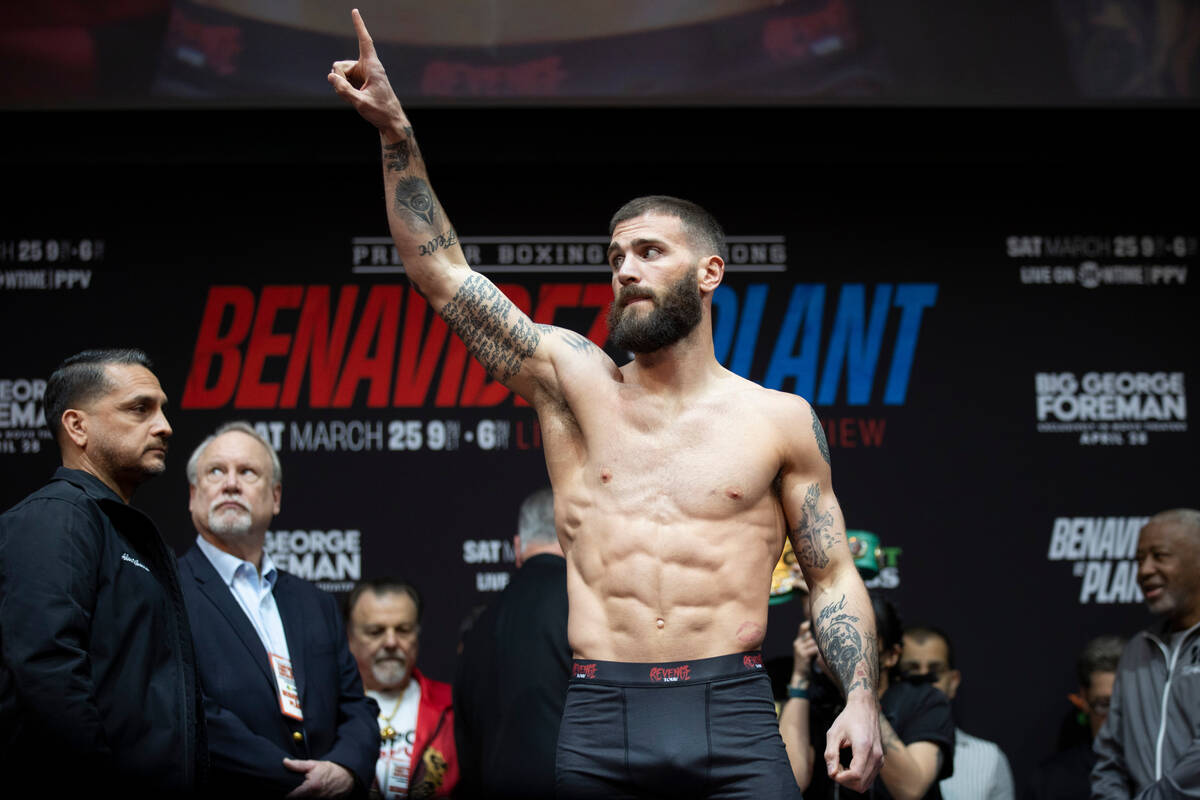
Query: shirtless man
{"x": 675, "y": 482}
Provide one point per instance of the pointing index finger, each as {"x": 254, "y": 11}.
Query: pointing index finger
{"x": 366, "y": 47}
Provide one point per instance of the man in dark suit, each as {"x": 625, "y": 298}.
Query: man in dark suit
{"x": 282, "y": 695}
{"x": 512, "y": 676}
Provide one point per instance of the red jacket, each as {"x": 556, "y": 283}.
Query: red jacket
{"x": 434, "y": 767}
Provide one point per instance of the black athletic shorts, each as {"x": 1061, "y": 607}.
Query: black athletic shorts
{"x": 703, "y": 728}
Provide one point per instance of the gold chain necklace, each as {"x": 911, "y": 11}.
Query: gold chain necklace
{"x": 388, "y": 733}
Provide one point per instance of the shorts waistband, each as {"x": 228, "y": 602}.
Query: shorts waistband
{"x": 652, "y": 673}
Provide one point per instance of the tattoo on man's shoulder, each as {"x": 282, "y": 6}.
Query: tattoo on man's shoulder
{"x": 851, "y": 655}
{"x": 479, "y": 313}
{"x": 819, "y": 432}
{"x": 396, "y": 156}
{"x": 439, "y": 242}
{"x": 576, "y": 341}
{"x": 414, "y": 197}
{"x": 814, "y": 534}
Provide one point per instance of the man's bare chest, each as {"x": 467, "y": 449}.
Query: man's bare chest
{"x": 706, "y": 463}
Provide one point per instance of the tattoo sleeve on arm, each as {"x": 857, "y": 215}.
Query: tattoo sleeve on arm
{"x": 850, "y": 652}
{"x": 415, "y": 199}
{"x": 814, "y": 534}
{"x": 479, "y": 313}
{"x": 819, "y": 432}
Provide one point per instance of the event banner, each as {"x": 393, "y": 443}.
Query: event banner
{"x": 1003, "y": 385}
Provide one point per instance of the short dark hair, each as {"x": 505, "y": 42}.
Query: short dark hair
{"x": 923, "y": 632}
{"x": 1099, "y": 655}
{"x": 702, "y": 227}
{"x": 82, "y": 378}
{"x": 382, "y": 586}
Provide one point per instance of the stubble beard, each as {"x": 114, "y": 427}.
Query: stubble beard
{"x": 131, "y": 471}
{"x": 673, "y": 316}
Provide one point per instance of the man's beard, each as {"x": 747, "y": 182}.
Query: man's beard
{"x": 119, "y": 463}
{"x": 228, "y": 521}
{"x": 673, "y": 316}
{"x": 391, "y": 670}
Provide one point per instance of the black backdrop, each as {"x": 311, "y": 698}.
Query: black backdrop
{"x": 994, "y": 312}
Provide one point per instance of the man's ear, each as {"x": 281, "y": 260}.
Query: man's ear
{"x": 75, "y": 426}
{"x": 712, "y": 271}
{"x": 517, "y": 549}
{"x": 891, "y": 657}
{"x": 277, "y": 493}
{"x": 955, "y": 679}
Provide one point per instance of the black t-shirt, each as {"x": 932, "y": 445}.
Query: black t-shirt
{"x": 918, "y": 712}
{"x": 1064, "y": 776}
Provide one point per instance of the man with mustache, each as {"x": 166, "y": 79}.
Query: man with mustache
{"x": 417, "y": 753}
{"x": 285, "y": 707}
{"x": 97, "y": 677}
{"x": 675, "y": 483}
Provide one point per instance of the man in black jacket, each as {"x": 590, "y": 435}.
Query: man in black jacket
{"x": 512, "y": 676}
{"x": 97, "y": 675}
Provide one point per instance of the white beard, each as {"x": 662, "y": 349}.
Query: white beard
{"x": 390, "y": 672}
{"x": 229, "y": 521}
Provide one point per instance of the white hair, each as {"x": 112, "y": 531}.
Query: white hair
{"x": 535, "y": 520}
{"x": 240, "y": 426}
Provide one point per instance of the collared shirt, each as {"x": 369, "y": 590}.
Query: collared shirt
{"x": 981, "y": 771}
{"x": 253, "y": 592}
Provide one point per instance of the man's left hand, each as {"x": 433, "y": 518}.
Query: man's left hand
{"x": 321, "y": 778}
{"x": 857, "y": 727}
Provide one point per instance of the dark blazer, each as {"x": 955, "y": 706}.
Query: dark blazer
{"x": 248, "y": 735}
{"x": 97, "y": 677}
{"x": 511, "y": 684}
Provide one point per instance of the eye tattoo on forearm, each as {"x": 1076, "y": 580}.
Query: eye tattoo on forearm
{"x": 414, "y": 196}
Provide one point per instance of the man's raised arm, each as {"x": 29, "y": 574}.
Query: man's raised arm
{"x": 842, "y": 620}
{"x": 496, "y": 332}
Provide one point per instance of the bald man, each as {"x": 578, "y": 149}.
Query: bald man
{"x": 1148, "y": 747}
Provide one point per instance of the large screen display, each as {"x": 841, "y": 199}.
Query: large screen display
{"x": 151, "y": 53}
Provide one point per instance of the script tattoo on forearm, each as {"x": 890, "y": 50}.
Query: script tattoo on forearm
{"x": 849, "y": 652}
{"x": 814, "y": 534}
{"x": 819, "y": 432}
{"x": 414, "y": 197}
{"x": 439, "y": 242}
{"x": 479, "y": 314}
